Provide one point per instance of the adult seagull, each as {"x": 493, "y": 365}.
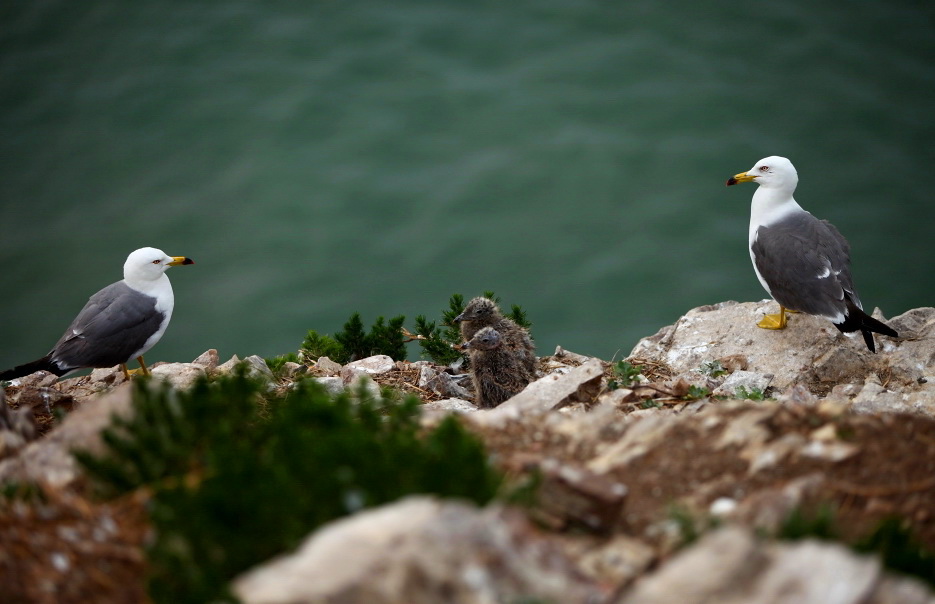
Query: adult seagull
{"x": 803, "y": 262}
{"x": 119, "y": 323}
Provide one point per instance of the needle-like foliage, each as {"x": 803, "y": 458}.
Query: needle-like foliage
{"x": 236, "y": 479}
{"x": 353, "y": 342}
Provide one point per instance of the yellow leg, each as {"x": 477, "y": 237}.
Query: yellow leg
{"x": 142, "y": 369}
{"x": 777, "y": 321}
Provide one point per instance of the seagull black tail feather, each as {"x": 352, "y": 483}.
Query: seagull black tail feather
{"x": 858, "y": 320}
{"x": 43, "y": 364}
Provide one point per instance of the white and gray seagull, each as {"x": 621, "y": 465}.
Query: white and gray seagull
{"x": 119, "y": 323}
{"x": 803, "y": 262}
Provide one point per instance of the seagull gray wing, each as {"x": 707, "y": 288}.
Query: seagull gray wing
{"x": 806, "y": 263}
{"x": 111, "y": 327}
{"x": 843, "y": 269}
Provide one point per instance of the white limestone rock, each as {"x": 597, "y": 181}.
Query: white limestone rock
{"x": 750, "y": 380}
{"x": 328, "y": 366}
{"x": 419, "y": 549}
{"x": 181, "y": 375}
{"x": 334, "y": 385}
{"x": 375, "y": 365}
{"x": 228, "y": 367}
{"x": 548, "y": 393}
{"x": 809, "y": 351}
{"x": 730, "y": 566}
{"x": 208, "y": 359}
{"x": 49, "y": 459}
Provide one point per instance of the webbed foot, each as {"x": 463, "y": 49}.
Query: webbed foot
{"x": 777, "y": 321}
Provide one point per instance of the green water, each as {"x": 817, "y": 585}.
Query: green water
{"x": 320, "y": 158}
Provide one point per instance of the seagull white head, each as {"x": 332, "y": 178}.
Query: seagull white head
{"x": 771, "y": 172}
{"x": 149, "y": 264}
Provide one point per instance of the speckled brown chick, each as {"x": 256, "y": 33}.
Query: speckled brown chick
{"x": 483, "y": 312}
{"x": 498, "y": 372}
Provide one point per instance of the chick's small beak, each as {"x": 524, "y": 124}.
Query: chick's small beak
{"x": 738, "y": 178}
{"x": 177, "y": 260}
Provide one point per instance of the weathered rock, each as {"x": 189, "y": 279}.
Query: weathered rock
{"x": 767, "y": 509}
{"x": 809, "y": 351}
{"x": 585, "y": 430}
{"x": 873, "y": 397}
{"x": 208, "y": 359}
{"x": 362, "y": 386}
{"x": 10, "y": 442}
{"x": 293, "y": 370}
{"x": 107, "y": 376}
{"x": 617, "y": 397}
{"x": 567, "y": 355}
{"x": 17, "y": 427}
{"x": 615, "y": 562}
{"x": 441, "y": 383}
{"x": 845, "y": 391}
{"x": 449, "y": 405}
{"x": 640, "y": 437}
{"x": 258, "y": 369}
{"x": 420, "y": 550}
{"x": 730, "y": 566}
{"x": 229, "y": 366}
{"x": 619, "y": 471}
{"x": 44, "y": 400}
{"x": 329, "y": 366}
{"x": 334, "y": 385}
{"x": 576, "y": 496}
{"x": 39, "y": 379}
{"x": 837, "y": 364}
{"x": 750, "y": 380}
{"x": 797, "y": 395}
{"x": 912, "y": 357}
{"x": 375, "y": 365}
{"x": 49, "y": 460}
{"x": 763, "y": 455}
{"x": 180, "y": 375}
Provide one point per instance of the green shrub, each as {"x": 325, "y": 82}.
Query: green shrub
{"x": 892, "y": 540}
{"x": 754, "y": 394}
{"x": 352, "y": 342}
{"x": 519, "y": 316}
{"x": 275, "y": 364}
{"x": 438, "y": 342}
{"x": 388, "y": 339}
{"x": 236, "y": 479}
{"x": 899, "y": 550}
{"x": 316, "y": 346}
{"x": 713, "y": 368}
{"x": 625, "y": 375}
{"x": 516, "y": 314}
{"x": 802, "y": 524}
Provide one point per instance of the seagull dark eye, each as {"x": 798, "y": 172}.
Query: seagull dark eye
{"x": 155, "y": 262}
{"x": 764, "y": 168}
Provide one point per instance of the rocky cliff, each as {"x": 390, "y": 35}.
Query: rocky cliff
{"x": 698, "y": 471}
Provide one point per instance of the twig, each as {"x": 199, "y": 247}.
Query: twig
{"x": 411, "y": 337}
{"x": 883, "y": 490}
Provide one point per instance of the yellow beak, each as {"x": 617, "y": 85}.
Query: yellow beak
{"x": 177, "y": 260}
{"x": 742, "y": 177}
